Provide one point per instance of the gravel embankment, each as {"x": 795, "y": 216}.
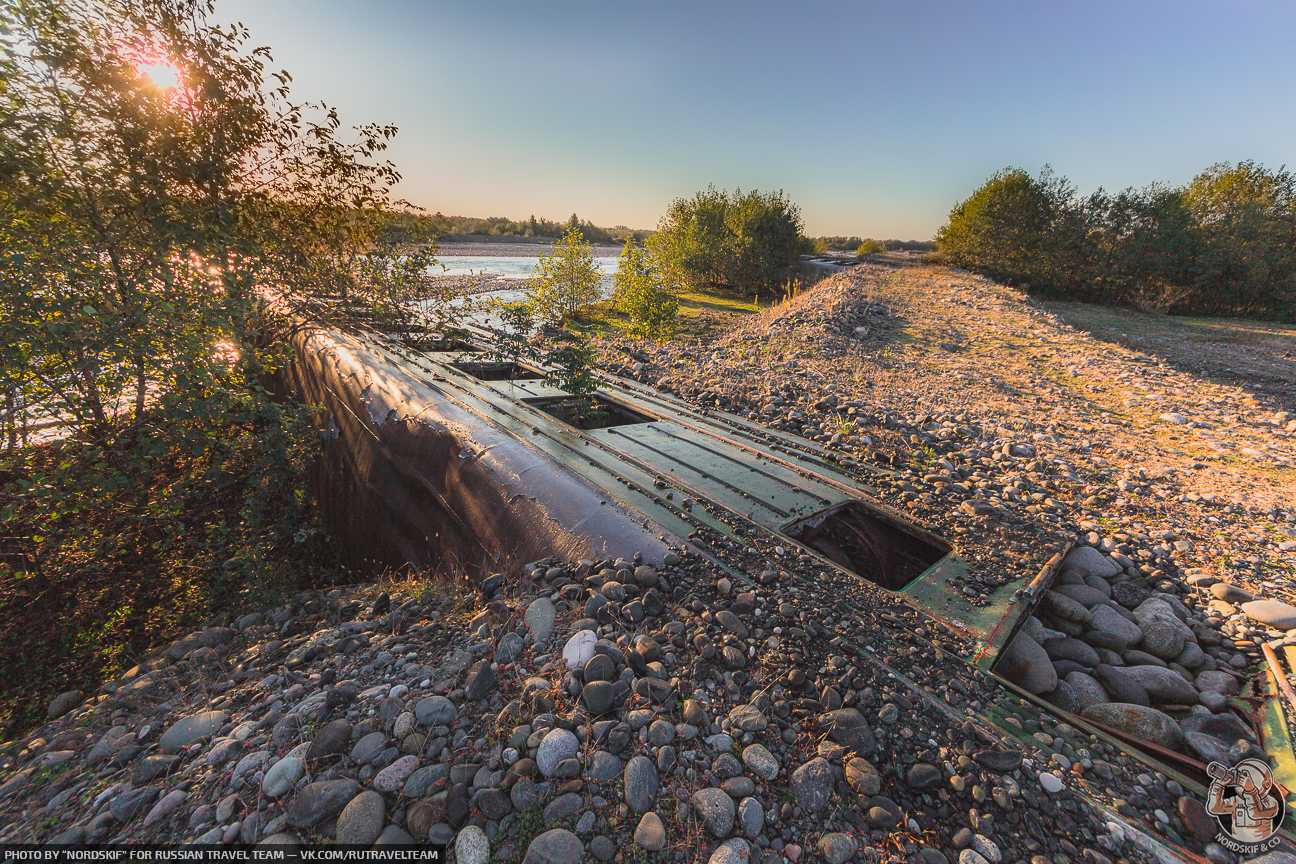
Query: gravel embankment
{"x": 770, "y": 709}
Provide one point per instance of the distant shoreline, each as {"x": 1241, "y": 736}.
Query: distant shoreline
{"x": 454, "y": 245}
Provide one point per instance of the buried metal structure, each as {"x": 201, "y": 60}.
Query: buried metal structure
{"x": 440, "y": 452}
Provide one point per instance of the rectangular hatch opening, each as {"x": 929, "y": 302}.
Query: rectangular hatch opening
{"x": 606, "y": 414}
{"x": 863, "y": 541}
{"x": 500, "y": 371}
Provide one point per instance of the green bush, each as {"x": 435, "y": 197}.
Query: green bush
{"x": 739, "y": 242}
{"x": 566, "y": 280}
{"x": 643, "y": 293}
{"x": 574, "y": 359}
{"x": 869, "y": 247}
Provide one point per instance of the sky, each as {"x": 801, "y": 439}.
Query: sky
{"x": 875, "y": 118}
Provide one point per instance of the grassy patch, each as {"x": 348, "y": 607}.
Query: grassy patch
{"x": 699, "y": 313}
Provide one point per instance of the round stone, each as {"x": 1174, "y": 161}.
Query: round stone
{"x": 557, "y": 745}
{"x": 1051, "y": 782}
{"x": 361, "y": 821}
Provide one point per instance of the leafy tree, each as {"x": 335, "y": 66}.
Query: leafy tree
{"x": 159, "y": 242}
{"x": 869, "y": 247}
{"x": 641, "y": 291}
{"x": 1001, "y": 229}
{"x": 740, "y": 242}
{"x": 1225, "y": 244}
{"x": 566, "y": 280}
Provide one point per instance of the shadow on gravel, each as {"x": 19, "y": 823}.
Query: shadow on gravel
{"x": 1256, "y": 355}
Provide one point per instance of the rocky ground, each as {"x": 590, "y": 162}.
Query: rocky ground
{"x": 753, "y": 706}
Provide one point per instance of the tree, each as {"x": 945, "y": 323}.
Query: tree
{"x": 745, "y": 243}
{"x": 641, "y": 291}
{"x": 158, "y": 242}
{"x": 1001, "y": 229}
{"x": 148, "y": 228}
{"x": 566, "y": 280}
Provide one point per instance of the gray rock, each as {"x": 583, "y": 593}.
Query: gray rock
{"x": 735, "y": 851}
{"x": 557, "y": 745}
{"x": 1064, "y": 697}
{"x": 556, "y": 846}
{"x": 1108, "y": 620}
{"x": 750, "y": 817}
{"x": 747, "y": 718}
{"x": 760, "y": 761}
{"x": 282, "y": 777}
{"x": 600, "y": 667}
{"x": 836, "y": 848}
{"x": 717, "y": 810}
{"x": 1116, "y": 681}
{"x": 1191, "y": 657}
{"x": 435, "y": 711}
{"x": 1071, "y": 649}
{"x": 602, "y": 766}
{"x": 812, "y": 784}
{"x": 598, "y": 696}
{"x": 422, "y": 779}
{"x": 510, "y": 646}
{"x": 641, "y": 784}
{"x": 1087, "y": 690}
{"x": 191, "y": 729}
{"x": 1139, "y": 721}
{"x": 1271, "y": 612}
{"x": 480, "y": 681}
{"x": 321, "y": 800}
{"x": 368, "y": 747}
{"x": 539, "y": 619}
{"x": 361, "y": 821}
{"x": 651, "y": 833}
{"x": 524, "y": 794}
{"x": 132, "y": 802}
{"x": 329, "y": 744}
{"x": 63, "y": 703}
{"x": 848, "y": 727}
{"x": 563, "y": 807}
{"x": 1158, "y": 608}
{"x": 923, "y": 776}
{"x": 603, "y": 848}
{"x": 471, "y": 846}
{"x": 1090, "y": 562}
{"x": 1083, "y": 594}
{"x": 1162, "y": 640}
{"x": 863, "y": 777}
{"x": 1027, "y": 665}
{"x": 1163, "y": 685}
{"x": 1066, "y": 608}
{"x": 1207, "y": 748}
{"x": 1231, "y": 593}
{"x": 394, "y": 775}
{"x": 1225, "y": 727}
{"x": 1218, "y": 681}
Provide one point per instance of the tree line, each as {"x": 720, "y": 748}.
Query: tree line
{"x": 413, "y": 227}
{"x": 1224, "y": 244}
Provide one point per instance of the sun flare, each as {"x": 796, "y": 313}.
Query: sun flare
{"x": 161, "y": 73}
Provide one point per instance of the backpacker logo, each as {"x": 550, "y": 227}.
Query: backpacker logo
{"x": 1246, "y": 805}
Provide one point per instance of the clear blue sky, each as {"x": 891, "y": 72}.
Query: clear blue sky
{"x": 874, "y": 117}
